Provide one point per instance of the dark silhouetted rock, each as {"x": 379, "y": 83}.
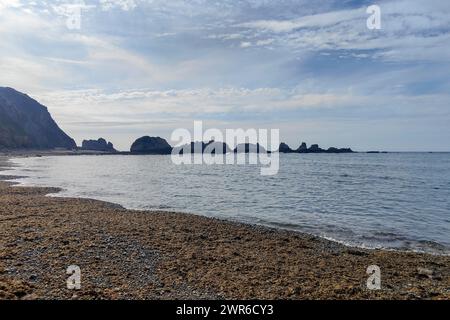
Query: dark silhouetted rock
{"x": 249, "y": 148}
{"x": 98, "y": 145}
{"x": 151, "y": 145}
{"x": 303, "y": 148}
{"x": 212, "y": 147}
{"x": 315, "y": 149}
{"x": 284, "y": 148}
{"x": 216, "y": 147}
{"x": 26, "y": 124}
{"x": 333, "y": 150}
{"x": 341, "y": 150}
{"x": 345, "y": 150}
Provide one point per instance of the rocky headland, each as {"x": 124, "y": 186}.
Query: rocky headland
{"x": 26, "y": 124}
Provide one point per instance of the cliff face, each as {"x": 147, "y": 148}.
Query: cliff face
{"x": 26, "y": 124}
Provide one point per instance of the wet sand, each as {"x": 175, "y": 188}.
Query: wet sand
{"x": 125, "y": 254}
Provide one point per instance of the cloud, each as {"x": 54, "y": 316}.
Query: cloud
{"x": 122, "y": 4}
{"x": 312, "y": 21}
{"x": 136, "y": 104}
{"x": 410, "y": 31}
{"x": 10, "y": 4}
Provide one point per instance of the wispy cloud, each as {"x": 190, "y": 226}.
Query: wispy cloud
{"x": 411, "y": 31}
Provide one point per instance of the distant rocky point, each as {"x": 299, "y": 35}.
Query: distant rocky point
{"x": 303, "y": 148}
{"x": 211, "y": 147}
{"x": 249, "y": 148}
{"x": 98, "y": 145}
{"x": 284, "y": 148}
{"x": 157, "y": 145}
{"x": 26, "y": 124}
{"x": 151, "y": 145}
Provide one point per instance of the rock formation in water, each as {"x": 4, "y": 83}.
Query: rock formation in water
{"x": 341, "y": 150}
{"x": 284, "y": 148}
{"x": 98, "y": 145}
{"x": 303, "y": 148}
{"x": 151, "y": 145}
{"x": 26, "y": 124}
{"x": 315, "y": 149}
{"x": 249, "y": 148}
{"x": 212, "y": 147}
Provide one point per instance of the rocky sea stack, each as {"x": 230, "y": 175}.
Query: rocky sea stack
{"x": 26, "y": 124}
{"x": 151, "y": 145}
{"x": 249, "y": 148}
{"x": 98, "y": 145}
{"x": 284, "y": 148}
{"x": 211, "y": 147}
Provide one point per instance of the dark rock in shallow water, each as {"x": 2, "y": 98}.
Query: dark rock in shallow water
{"x": 284, "y": 148}
{"x": 342, "y": 150}
{"x": 303, "y": 147}
{"x": 151, "y": 145}
{"x": 98, "y": 145}
{"x": 215, "y": 147}
{"x": 212, "y": 147}
{"x": 333, "y": 150}
{"x": 315, "y": 149}
{"x": 249, "y": 148}
{"x": 26, "y": 124}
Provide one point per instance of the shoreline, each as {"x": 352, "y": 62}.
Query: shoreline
{"x": 56, "y": 194}
{"x": 131, "y": 254}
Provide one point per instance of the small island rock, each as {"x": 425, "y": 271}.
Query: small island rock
{"x": 98, "y": 145}
{"x": 151, "y": 145}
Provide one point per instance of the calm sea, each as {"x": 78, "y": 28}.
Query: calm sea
{"x": 396, "y": 200}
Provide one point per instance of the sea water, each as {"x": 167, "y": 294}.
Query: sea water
{"x": 395, "y": 200}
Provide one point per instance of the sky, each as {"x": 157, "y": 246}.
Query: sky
{"x": 312, "y": 69}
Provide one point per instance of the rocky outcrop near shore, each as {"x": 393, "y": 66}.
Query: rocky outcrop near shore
{"x": 249, "y": 148}
{"x": 303, "y": 148}
{"x": 98, "y": 145}
{"x": 26, "y": 124}
{"x": 151, "y": 145}
{"x": 284, "y": 148}
{"x": 211, "y": 147}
